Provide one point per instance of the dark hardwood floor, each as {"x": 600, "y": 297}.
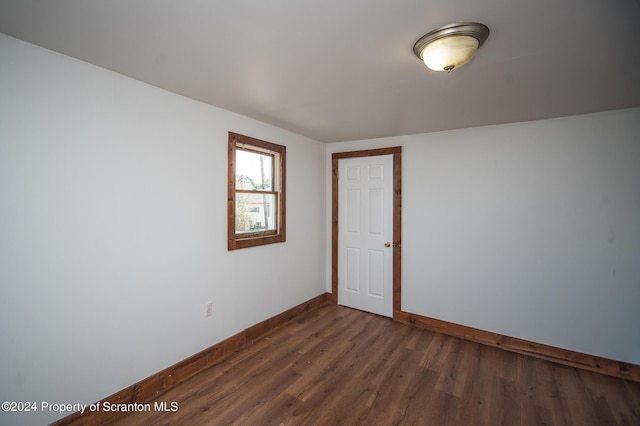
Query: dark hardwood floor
{"x": 339, "y": 366}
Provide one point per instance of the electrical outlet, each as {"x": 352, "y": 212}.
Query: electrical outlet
{"x": 209, "y": 310}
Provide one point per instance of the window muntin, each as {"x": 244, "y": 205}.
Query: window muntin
{"x": 256, "y": 207}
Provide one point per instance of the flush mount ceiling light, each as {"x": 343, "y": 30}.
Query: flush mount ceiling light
{"x": 452, "y": 46}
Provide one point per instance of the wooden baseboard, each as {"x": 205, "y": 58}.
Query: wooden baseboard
{"x": 150, "y": 388}
{"x": 561, "y": 356}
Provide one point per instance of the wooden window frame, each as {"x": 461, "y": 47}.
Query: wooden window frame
{"x": 238, "y": 241}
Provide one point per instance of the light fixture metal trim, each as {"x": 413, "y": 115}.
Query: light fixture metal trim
{"x": 473, "y": 29}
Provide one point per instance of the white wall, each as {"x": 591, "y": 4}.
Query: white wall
{"x": 113, "y": 230}
{"x": 531, "y": 230}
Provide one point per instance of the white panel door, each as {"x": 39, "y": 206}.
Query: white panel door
{"x": 365, "y": 228}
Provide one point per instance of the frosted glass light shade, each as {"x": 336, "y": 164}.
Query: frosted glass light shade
{"x": 451, "y": 46}
{"x": 451, "y": 52}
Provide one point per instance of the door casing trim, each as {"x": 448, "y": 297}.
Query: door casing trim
{"x": 397, "y": 220}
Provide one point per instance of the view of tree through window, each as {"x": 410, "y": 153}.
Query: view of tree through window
{"x": 256, "y": 208}
{"x": 255, "y": 198}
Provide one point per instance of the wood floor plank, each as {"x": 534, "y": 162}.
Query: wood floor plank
{"x": 419, "y": 394}
{"x": 335, "y": 365}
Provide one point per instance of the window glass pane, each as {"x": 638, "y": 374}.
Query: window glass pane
{"x": 255, "y": 212}
{"x": 254, "y": 171}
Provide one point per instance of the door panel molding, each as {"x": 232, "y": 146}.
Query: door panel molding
{"x": 397, "y": 220}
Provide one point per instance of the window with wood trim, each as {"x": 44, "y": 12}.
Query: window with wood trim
{"x": 256, "y": 192}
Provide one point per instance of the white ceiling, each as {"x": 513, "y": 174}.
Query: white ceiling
{"x": 338, "y": 70}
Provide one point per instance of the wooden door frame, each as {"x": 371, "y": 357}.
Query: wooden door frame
{"x": 397, "y": 220}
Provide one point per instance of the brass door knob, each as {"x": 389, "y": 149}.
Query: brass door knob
{"x": 387, "y": 244}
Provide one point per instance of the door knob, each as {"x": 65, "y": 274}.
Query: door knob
{"x": 387, "y": 244}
